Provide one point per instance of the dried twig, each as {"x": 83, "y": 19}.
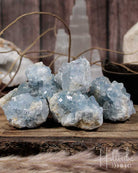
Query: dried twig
{"x": 34, "y": 42}
{"x": 21, "y": 54}
{"x": 8, "y": 51}
{"x": 50, "y": 53}
{"x": 53, "y": 61}
{"x": 44, "y": 13}
{"x": 125, "y": 67}
{"x": 113, "y": 51}
{"x": 104, "y": 49}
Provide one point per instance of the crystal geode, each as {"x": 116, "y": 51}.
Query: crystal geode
{"x": 24, "y": 110}
{"x": 74, "y": 76}
{"x": 114, "y": 99}
{"x": 76, "y": 109}
{"x": 41, "y": 81}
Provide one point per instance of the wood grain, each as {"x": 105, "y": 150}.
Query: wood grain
{"x": 27, "y": 29}
{"x": 122, "y": 16}
{"x": 97, "y": 22}
{"x": 0, "y": 15}
{"x": 63, "y": 10}
{"x": 109, "y": 21}
{"x": 52, "y": 137}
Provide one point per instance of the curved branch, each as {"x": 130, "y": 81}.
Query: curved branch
{"x": 44, "y": 13}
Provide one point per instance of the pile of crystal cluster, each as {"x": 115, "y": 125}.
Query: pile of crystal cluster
{"x": 70, "y": 95}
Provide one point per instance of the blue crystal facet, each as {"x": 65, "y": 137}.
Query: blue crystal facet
{"x": 114, "y": 99}
{"x": 74, "y": 76}
{"x": 76, "y": 109}
{"x": 26, "y": 111}
{"x": 71, "y": 95}
{"x": 41, "y": 81}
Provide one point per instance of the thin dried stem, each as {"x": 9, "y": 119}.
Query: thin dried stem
{"x": 114, "y": 72}
{"x": 13, "y": 76}
{"x": 50, "y": 53}
{"x": 104, "y": 49}
{"x": 92, "y": 63}
{"x": 44, "y": 13}
{"x": 41, "y": 56}
{"x": 47, "y": 51}
{"x": 8, "y": 51}
{"x": 12, "y": 65}
{"x": 125, "y": 67}
{"x": 34, "y": 42}
{"x": 114, "y": 51}
{"x": 21, "y": 56}
{"x": 45, "y": 56}
{"x": 52, "y": 62}
{"x": 10, "y": 69}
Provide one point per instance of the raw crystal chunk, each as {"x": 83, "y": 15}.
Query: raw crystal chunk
{"x": 38, "y": 73}
{"x": 130, "y": 45}
{"x": 25, "y": 111}
{"x": 25, "y": 88}
{"x": 7, "y": 58}
{"x": 41, "y": 80}
{"x": 98, "y": 89}
{"x": 75, "y": 76}
{"x": 7, "y": 97}
{"x": 116, "y": 102}
{"x": 76, "y": 109}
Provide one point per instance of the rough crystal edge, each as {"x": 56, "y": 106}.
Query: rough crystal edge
{"x": 7, "y": 97}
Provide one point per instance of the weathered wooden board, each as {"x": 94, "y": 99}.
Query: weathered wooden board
{"x": 109, "y": 20}
{"x": 62, "y": 9}
{"x": 0, "y": 16}
{"x": 98, "y": 23}
{"x": 25, "y": 30}
{"x": 122, "y": 16}
{"x": 53, "y": 137}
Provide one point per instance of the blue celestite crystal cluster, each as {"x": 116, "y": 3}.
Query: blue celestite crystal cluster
{"x": 26, "y": 111}
{"x": 75, "y": 109}
{"x": 75, "y": 76}
{"x": 71, "y": 95}
{"x": 114, "y": 99}
{"x": 41, "y": 81}
{"x": 27, "y": 106}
